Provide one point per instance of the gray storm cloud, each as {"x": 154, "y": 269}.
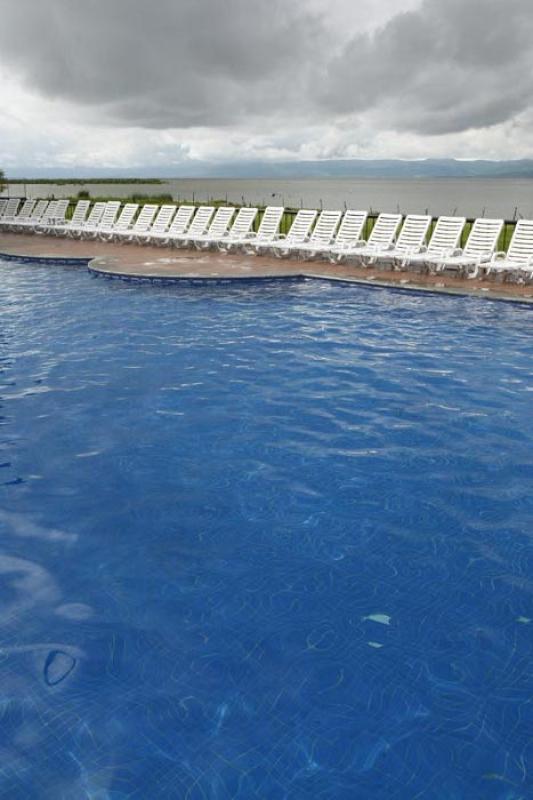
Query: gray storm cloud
{"x": 446, "y": 66}
{"x": 172, "y": 63}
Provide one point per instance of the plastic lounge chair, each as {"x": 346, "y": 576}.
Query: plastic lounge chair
{"x": 381, "y": 238}
{"x": 198, "y": 227}
{"x": 216, "y": 231}
{"x": 78, "y": 218}
{"x": 10, "y": 221}
{"x": 267, "y": 231}
{"x": 240, "y": 229}
{"x": 3, "y": 204}
{"x": 444, "y": 240}
{"x": 105, "y": 223}
{"x": 298, "y": 234}
{"x": 56, "y": 213}
{"x": 480, "y": 246}
{"x": 348, "y": 233}
{"x": 179, "y": 225}
{"x": 23, "y": 215}
{"x": 38, "y": 215}
{"x": 95, "y": 215}
{"x": 35, "y": 217}
{"x": 123, "y": 224}
{"x": 141, "y": 224}
{"x": 518, "y": 260}
{"x": 10, "y": 212}
{"x": 410, "y": 239}
{"x": 52, "y": 214}
{"x": 160, "y": 224}
{"x": 323, "y": 235}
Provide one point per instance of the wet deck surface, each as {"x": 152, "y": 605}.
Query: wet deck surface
{"x": 145, "y": 261}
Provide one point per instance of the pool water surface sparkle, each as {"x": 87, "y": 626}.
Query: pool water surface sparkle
{"x": 268, "y": 541}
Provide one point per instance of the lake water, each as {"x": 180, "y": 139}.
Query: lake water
{"x": 500, "y": 197}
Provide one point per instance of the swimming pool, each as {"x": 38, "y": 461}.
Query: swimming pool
{"x": 263, "y": 542}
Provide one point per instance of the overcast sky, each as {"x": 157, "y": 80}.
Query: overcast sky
{"x": 131, "y": 83}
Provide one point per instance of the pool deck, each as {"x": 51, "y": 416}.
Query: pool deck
{"x": 145, "y": 262}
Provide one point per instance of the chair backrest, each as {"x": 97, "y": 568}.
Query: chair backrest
{"x": 384, "y": 230}
{"x": 243, "y": 222}
{"x": 126, "y": 216}
{"x": 270, "y": 222}
{"x": 55, "y": 211}
{"x": 521, "y": 246}
{"x": 51, "y": 210}
{"x": 3, "y": 204}
{"x": 39, "y": 210}
{"x": 325, "y": 228}
{"x": 60, "y": 210}
{"x": 446, "y": 234}
{"x": 201, "y": 220}
{"x": 80, "y": 212}
{"x": 220, "y": 222}
{"x": 483, "y": 237}
{"x": 351, "y": 227}
{"x": 26, "y": 209}
{"x": 109, "y": 216}
{"x": 301, "y": 225}
{"x": 95, "y": 215}
{"x": 181, "y": 220}
{"x": 163, "y": 219}
{"x": 413, "y": 233}
{"x": 144, "y": 220}
{"x": 11, "y": 208}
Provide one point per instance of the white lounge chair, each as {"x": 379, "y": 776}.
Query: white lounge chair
{"x": 349, "y": 232}
{"x": 239, "y": 230}
{"x": 78, "y": 218}
{"x": 95, "y": 215}
{"x": 104, "y": 224}
{"x": 56, "y": 213}
{"x": 3, "y": 204}
{"x": 23, "y": 215}
{"x": 10, "y": 212}
{"x": 444, "y": 240}
{"x": 216, "y": 231}
{"x": 323, "y": 235}
{"x": 161, "y": 224}
{"x": 140, "y": 226}
{"x": 298, "y": 234}
{"x": 381, "y": 237}
{"x": 179, "y": 225}
{"x": 267, "y": 231}
{"x": 410, "y": 239}
{"x": 123, "y": 224}
{"x": 198, "y": 227}
{"x": 478, "y": 250}
{"x": 517, "y": 262}
{"x": 34, "y": 218}
{"x": 48, "y": 215}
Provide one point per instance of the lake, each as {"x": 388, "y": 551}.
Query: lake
{"x": 499, "y": 197}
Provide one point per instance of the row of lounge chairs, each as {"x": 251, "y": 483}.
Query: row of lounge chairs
{"x": 329, "y": 235}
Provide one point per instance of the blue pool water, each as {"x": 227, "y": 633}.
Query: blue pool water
{"x": 263, "y": 542}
